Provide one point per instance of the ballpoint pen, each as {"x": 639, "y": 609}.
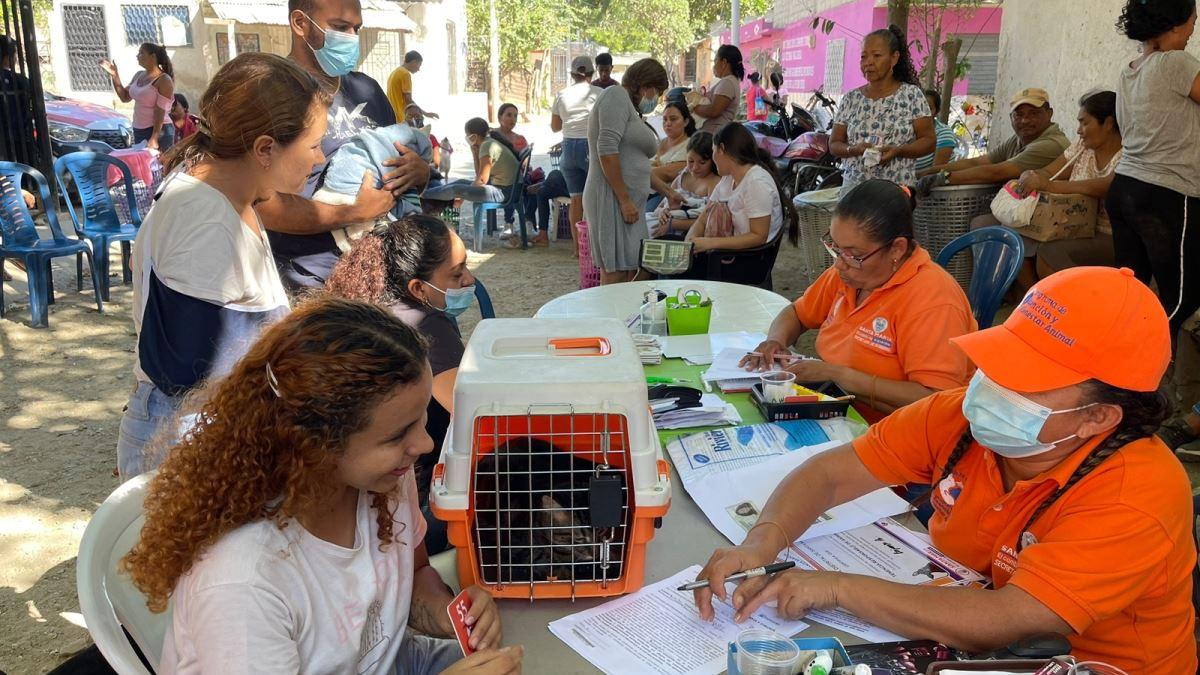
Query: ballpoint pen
{"x": 748, "y": 574}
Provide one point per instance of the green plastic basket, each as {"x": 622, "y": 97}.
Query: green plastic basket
{"x": 688, "y": 313}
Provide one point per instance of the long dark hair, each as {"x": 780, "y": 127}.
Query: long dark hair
{"x": 701, "y": 143}
{"x": 479, "y": 127}
{"x": 382, "y": 262}
{"x": 882, "y": 210}
{"x": 1142, "y": 20}
{"x": 1144, "y": 412}
{"x": 161, "y": 57}
{"x": 1101, "y": 106}
{"x": 903, "y": 71}
{"x": 733, "y": 56}
{"x": 737, "y": 142}
{"x": 689, "y": 122}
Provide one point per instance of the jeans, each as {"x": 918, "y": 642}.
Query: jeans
{"x": 468, "y": 191}
{"x": 424, "y": 655}
{"x": 574, "y": 164}
{"x": 166, "y": 137}
{"x": 553, "y": 187}
{"x": 1148, "y": 223}
{"x": 138, "y": 449}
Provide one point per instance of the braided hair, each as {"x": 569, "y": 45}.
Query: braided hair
{"x": 1143, "y": 411}
{"x": 903, "y": 71}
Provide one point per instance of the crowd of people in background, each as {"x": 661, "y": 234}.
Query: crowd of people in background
{"x": 296, "y": 351}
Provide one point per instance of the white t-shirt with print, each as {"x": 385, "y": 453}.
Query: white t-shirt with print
{"x": 267, "y": 600}
{"x": 755, "y": 197}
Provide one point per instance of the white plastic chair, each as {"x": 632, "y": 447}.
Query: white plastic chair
{"x": 107, "y": 598}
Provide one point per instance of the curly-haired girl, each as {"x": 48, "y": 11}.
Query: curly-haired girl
{"x": 417, "y": 267}
{"x": 284, "y": 525}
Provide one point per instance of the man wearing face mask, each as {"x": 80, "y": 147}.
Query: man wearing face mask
{"x": 325, "y": 42}
{"x": 1046, "y": 477}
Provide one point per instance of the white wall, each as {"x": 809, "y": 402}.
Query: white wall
{"x": 432, "y": 86}
{"x": 1067, "y": 47}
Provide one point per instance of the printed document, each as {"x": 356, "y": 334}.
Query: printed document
{"x": 658, "y": 630}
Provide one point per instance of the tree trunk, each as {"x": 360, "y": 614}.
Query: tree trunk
{"x": 493, "y": 60}
{"x": 952, "y": 48}
{"x": 930, "y": 74}
{"x": 898, "y": 14}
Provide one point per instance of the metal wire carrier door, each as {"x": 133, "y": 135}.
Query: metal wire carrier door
{"x": 551, "y": 498}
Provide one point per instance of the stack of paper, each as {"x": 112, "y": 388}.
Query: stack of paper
{"x": 727, "y": 374}
{"x": 712, "y": 412}
{"x": 700, "y": 349}
{"x": 649, "y": 349}
{"x": 658, "y": 630}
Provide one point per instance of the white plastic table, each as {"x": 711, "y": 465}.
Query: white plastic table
{"x": 686, "y": 537}
{"x": 735, "y": 307}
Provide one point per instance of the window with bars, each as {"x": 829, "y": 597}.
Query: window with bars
{"x": 689, "y": 66}
{"x": 87, "y": 43}
{"x": 835, "y": 62}
{"x": 246, "y": 43}
{"x": 167, "y": 25}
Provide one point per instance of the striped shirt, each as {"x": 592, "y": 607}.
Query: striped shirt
{"x": 945, "y": 139}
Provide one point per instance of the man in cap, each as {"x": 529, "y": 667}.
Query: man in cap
{"x": 569, "y": 114}
{"x": 1038, "y": 141}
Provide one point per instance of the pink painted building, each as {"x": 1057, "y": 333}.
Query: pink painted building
{"x": 811, "y": 58}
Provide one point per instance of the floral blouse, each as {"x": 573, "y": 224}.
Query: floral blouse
{"x": 889, "y": 121}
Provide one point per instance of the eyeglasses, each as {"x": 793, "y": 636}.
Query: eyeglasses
{"x": 854, "y": 261}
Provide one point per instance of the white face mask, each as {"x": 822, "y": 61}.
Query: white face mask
{"x": 1006, "y": 422}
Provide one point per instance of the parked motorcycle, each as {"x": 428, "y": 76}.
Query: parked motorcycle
{"x": 799, "y": 144}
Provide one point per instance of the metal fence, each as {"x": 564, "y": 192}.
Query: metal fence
{"x": 23, "y": 134}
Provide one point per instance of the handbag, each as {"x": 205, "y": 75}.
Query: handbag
{"x": 719, "y": 219}
{"x": 1015, "y": 211}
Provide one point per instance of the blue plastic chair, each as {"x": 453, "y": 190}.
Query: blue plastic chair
{"x": 19, "y": 240}
{"x": 485, "y": 301}
{"x": 97, "y": 220}
{"x": 998, "y": 253}
{"x": 486, "y": 211}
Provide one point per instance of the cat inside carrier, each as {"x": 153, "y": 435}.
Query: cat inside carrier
{"x": 551, "y": 478}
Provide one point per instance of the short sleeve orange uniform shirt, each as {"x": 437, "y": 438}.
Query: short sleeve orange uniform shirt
{"x": 901, "y": 331}
{"x": 1112, "y": 557}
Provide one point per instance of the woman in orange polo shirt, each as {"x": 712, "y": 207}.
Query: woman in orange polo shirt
{"x": 885, "y": 311}
{"x": 1046, "y": 476}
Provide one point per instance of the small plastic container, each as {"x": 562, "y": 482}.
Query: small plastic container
{"x": 818, "y": 410}
{"x": 777, "y": 385}
{"x": 806, "y": 646}
{"x": 765, "y": 652}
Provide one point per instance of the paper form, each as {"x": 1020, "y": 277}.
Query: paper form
{"x": 658, "y": 630}
{"x": 725, "y": 450}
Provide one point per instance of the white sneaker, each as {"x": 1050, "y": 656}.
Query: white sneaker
{"x": 506, "y": 233}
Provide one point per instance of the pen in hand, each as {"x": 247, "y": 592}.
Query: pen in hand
{"x": 748, "y": 574}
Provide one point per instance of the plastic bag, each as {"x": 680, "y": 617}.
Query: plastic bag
{"x": 1011, "y": 209}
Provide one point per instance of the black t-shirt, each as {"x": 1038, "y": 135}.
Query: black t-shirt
{"x": 445, "y": 353}
{"x": 305, "y": 260}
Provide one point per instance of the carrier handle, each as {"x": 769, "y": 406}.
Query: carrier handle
{"x": 587, "y": 346}
{"x": 569, "y": 406}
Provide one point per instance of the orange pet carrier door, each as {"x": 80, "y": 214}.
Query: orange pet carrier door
{"x": 551, "y": 477}
{"x": 550, "y": 500}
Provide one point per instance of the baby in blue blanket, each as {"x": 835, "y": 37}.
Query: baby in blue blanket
{"x": 367, "y": 151}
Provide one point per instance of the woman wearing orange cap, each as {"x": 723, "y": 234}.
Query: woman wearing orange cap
{"x": 1047, "y": 478}
{"x": 885, "y": 310}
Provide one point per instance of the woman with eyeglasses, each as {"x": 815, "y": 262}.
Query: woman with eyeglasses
{"x": 885, "y": 311}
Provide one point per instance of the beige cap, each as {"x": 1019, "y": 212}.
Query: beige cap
{"x": 1033, "y": 96}
{"x": 582, "y": 65}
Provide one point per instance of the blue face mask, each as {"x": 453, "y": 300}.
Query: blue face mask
{"x": 340, "y": 53}
{"x": 649, "y": 103}
{"x": 458, "y": 300}
{"x": 1006, "y": 422}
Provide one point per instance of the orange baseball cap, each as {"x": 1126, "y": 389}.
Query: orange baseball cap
{"x": 1076, "y": 325}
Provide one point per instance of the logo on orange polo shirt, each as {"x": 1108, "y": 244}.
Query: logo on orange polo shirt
{"x": 946, "y": 494}
{"x": 876, "y": 335}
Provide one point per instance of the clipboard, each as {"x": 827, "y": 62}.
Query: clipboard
{"x": 666, "y": 256}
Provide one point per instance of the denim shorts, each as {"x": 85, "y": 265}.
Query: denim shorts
{"x": 148, "y": 411}
{"x": 423, "y": 655}
{"x": 574, "y": 164}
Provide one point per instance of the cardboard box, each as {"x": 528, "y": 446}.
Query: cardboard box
{"x": 1062, "y": 217}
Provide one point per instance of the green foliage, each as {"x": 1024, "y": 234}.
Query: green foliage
{"x": 525, "y": 26}
{"x": 660, "y": 27}
{"x": 705, "y": 12}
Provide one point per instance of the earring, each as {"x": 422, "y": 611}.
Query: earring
{"x": 895, "y": 265}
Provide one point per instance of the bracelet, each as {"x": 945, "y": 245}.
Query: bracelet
{"x": 786, "y": 539}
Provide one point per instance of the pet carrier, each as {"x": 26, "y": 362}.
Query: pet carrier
{"x": 551, "y": 478}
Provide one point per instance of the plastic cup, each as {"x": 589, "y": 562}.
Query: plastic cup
{"x": 777, "y": 385}
{"x": 765, "y": 652}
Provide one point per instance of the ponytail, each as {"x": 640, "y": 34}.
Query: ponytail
{"x": 733, "y": 56}
{"x": 903, "y": 71}
{"x": 161, "y": 58}
{"x": 739, "y": 144}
